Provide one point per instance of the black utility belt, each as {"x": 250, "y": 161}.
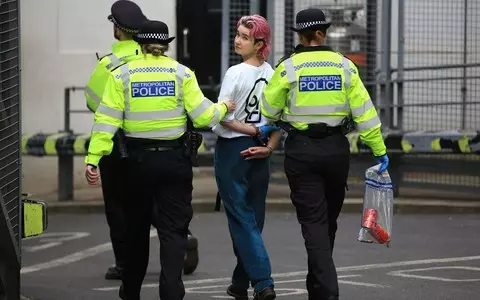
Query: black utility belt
{"x": 321, "y": 130}
{"x": 154, "y": 145}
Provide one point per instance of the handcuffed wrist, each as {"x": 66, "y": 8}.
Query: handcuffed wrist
{"x": 270, "y": 149}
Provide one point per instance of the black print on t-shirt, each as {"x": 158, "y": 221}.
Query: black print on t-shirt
{"x": 252, "y": 107}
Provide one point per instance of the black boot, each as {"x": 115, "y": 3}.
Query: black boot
{"x": 191, "y": 258}
{"x": 114, "y": 273}
{"x": 237, "y": 293}
{"x": 267, "y": 293}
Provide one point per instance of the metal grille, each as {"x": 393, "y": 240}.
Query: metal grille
{"x": 10, "y": 113}
{"x": 419, "y": 59}
{"x": 442, "y": 69}
{"x": 238, "y": 8}
{"x": 353, "y": 31}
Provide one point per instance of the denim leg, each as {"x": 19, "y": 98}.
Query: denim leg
{"x": 258, "y": 187}
{"x": 232, "y": 174}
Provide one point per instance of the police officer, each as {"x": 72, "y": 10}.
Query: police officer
{"x": 311, "y": 94}
{"x": 126, "y": 17}
{"x": 149, "y": 98}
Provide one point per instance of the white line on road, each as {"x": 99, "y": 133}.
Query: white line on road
{"x": 74, "y": 257}
{"x": 53, "y": 239}
{"x": 362, "y": 284}
{"x": 404, "y": 273}
{"x": 40, "y": 247}
{"x": 280, "y": 293}
{"x": 341, "y": 269}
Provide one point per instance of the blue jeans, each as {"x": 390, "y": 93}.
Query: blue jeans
{"x": 243, "y": 186}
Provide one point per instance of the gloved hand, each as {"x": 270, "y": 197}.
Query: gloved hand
{"x": 265, "y": 131}
{"x": 383, "y": 161}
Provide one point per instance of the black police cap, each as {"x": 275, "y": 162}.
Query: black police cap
{"x": 311, "y": 18}
{"x": 153, "y": 32}
{"x": 127, "y": 16}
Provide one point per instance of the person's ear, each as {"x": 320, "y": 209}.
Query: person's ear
{"x": 258, "y": 45}
{"x": 320, "y": 34}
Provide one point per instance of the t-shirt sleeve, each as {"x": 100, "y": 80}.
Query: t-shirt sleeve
{"x": 228, "y": 91}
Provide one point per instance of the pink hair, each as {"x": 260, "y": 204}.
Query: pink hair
{"x": 259, "y": 29}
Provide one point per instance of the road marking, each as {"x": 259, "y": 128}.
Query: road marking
{"x": 363, "y": 284}
{"x": 74, "y": 257}
{"x": 287, "y": 291}
{"x": 403, "y": 273}
{"x": 53, "y": 239}
{"x": 279, "y": 292}
{"x": 304, "y": 273}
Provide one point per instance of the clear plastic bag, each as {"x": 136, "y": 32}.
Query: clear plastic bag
{"x": 376, "y": 222}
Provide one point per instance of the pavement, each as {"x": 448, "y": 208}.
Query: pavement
{"x": 40, "y": 180}
{"x": 88, "y": 199}
{"x": 431, "y": 257}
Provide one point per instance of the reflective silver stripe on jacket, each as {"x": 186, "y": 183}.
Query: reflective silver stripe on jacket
{"x": 114, "y": 61}
{"x": 347, "y": 72}
{"x": 307, "y": 110}
{"x": 367, "y": 104}
{"x": 329, "y": 120}
{"x": 369, "y": 123}
{"x": 92, "y": 95}
{"x": 151, "y": 134}
{"x": 102, "y": 127}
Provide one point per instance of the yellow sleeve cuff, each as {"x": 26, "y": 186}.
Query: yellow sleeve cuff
{"x": 92, "y": 159}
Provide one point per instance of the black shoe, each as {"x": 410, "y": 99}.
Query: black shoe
{"x": 266, "y": 294}
{"x": 237, "y": 293}
{"x": 191, "y": 257}
{"x": 114, "y": 273}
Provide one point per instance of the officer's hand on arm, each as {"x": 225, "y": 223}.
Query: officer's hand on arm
{"x": 265, "y": 131}
{"x": 230, "y": 104}
{"x": 91, "y": 173}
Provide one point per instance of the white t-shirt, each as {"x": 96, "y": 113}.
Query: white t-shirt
{"x": 244, "y": 83}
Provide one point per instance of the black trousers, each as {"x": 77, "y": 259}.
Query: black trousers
{"x": 317, "y": 171}
{"x": 112, "y": 173}
{"x": 159, "y": 181}
{"x": 114, "y": 190}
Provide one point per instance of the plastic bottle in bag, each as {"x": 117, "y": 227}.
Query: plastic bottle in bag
{"x": 376, "y": 223}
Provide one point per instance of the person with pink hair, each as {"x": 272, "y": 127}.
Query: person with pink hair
{"x": 242, "y": 169}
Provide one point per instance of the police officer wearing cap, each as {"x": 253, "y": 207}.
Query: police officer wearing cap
{"x": 311, "y": 95}
{"x": 149, "y": 98}
{"x": 127, "y": 18}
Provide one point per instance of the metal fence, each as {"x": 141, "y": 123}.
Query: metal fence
{"x": 420, "y": 61}
{"x": 10, "y": 139}
{"x": 10, "y": 135}
{"x": 418, "y": 58}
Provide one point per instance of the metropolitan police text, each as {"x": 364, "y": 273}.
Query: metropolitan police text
{"x": 153, "y": 89}
{"x": 320, "y": 83}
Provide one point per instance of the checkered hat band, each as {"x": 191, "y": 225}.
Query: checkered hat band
{"x": 308, "y": 24}
{"x": 157, "y": 36}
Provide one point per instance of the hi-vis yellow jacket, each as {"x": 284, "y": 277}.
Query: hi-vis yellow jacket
{"x": 122, "y": 51}
{"x": 149, "y": 98}
{"x": 318, "y": 85}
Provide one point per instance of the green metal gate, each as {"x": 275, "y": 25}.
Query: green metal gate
{"x": 10, "y": 139}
